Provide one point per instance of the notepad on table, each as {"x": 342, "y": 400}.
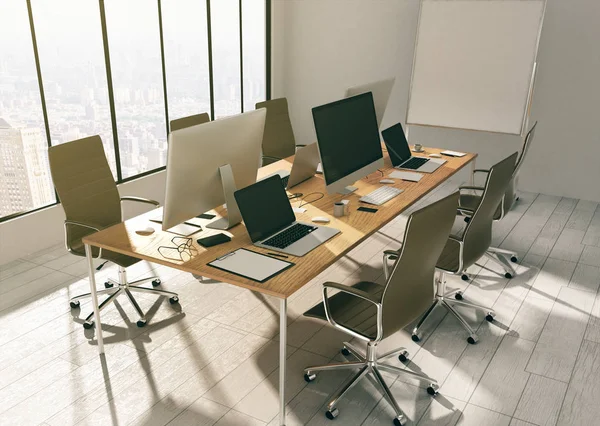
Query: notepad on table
{"x": 250, "y": 264}
{"x": 453, "y": 153}
{"x": 410, "y": 176}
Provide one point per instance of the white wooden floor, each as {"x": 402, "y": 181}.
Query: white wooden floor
{"x": 214, "y": 360}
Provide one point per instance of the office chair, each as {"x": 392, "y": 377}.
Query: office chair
{"x": 192, "y": 120}
{"x": 463, "y": 251}
{"x": 90, "y": 199}
{"x": 372, "y": 312}
{"x": 278, "y": 139}
{"x": 468, "y": 202}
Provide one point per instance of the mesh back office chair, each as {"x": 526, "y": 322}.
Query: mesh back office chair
{"x": 371, "y": 312}
{"x": 468, "y": 202}
{"x": 90, "y": 199}
{"x": 192, "y": 120}
{"x": 278, "y": 139}
{"x": 463, "y": 251}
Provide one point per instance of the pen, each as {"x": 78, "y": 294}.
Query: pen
{"x": 278, "y": 255}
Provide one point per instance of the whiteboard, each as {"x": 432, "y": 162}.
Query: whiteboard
{"x": 473, "y": 64}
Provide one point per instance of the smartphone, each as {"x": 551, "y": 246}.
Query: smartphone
{"x": 366, "y": 209}
{"x": 214, "y": 240}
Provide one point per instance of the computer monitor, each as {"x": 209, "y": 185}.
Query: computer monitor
{"x": 206, "y": 163}
{"x": 348, "y": 140}
{"x": 381, "y": 95}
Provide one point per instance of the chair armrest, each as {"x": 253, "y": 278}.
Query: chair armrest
{"x": 481, "y": 171}
{"x": 357, "y": 293}
{"x": 455, "y": 238}
{"x": 469, "y": 187}
{"x": 391, "y": 254}
{"x": 83, "y": 225}
{"x": 141, "y": 200}
{"x": 300, "y": 145}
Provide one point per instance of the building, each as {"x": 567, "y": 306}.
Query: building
{"x": 26, "y": 180}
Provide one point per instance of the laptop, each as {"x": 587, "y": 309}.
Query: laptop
{"x": 399, "y": 151}
{"x": 304, "y": 167}
{"x": 271, "y": 223}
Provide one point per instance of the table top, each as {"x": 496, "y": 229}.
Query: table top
{"x": 355, "y": 227}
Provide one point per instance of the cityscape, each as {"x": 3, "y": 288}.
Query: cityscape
{"x": 76, "y": 91}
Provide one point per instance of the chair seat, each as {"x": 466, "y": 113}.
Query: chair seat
{"x": 114, "y": 257}
{"x": 350, "y": 311}
{"x": 450, "y": 258}
{"x": 471, "y": 202}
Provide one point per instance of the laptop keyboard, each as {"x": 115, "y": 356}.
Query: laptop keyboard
{"x": 414, "y": 163}
{"x": 285, "y": 180}
{"x": 289, "y": 236}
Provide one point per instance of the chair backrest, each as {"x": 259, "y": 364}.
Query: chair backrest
{"x": 192, "y": 120}
{"x": 85, "y": 186}
{"x": 278, "y": 137}
{"x": 511, "y": 192}
{"x": 477, "y": 235}
{"x": 409, "y": 290}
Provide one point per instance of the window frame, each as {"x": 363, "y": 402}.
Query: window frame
{"x": 111, "y": 99}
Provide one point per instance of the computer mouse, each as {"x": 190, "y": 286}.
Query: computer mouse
{"x": 435, "y": 155}
{"x": 386, "y": 181}
{"x": 146, "y": 231}
{"x": 320, "y": 219}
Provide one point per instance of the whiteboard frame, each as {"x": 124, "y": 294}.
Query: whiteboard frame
{"x": 535, "y": 68}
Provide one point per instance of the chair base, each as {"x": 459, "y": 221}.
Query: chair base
{"x": 448, "y": 300}
{"x": 369, "y": 363}
{"x": 114, "y": 289}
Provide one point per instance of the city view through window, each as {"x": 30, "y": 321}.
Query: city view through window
{"x": 76, "y": 95}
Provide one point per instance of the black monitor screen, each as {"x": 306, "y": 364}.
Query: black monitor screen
{"x": 347, "y": 135}
{"x": 265, "y": 207}
{"x": 396, "y": 144}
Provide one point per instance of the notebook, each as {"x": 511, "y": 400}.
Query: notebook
{"x": 250, "y": 264}
{"x": 410, "y": 176}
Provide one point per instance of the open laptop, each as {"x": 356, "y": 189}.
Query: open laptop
{"x": 304, "y": 167}
{"x": 399, "y": 151}
{"x": 271, "y": 223}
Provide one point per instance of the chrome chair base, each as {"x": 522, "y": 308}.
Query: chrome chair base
{"x": 114, "y": 289}
{"x": 369, "y": 363}
{"x": 448, "y": 300}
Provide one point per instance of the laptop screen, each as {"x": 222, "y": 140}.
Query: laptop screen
{"x": 265, "y": 208}
{"x": 396, "y": 144}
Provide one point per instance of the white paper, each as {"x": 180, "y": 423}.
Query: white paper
{"x": 250, "y": 264}
{"x": 410, "y": 176}
{"x": 454, "y": 153}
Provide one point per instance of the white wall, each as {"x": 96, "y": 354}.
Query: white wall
{"x": 31, "y": 233}
{"x": 321, "y": 47}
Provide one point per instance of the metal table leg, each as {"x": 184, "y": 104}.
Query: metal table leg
{"x": 473, "y": 167}
{"x": 92, "y": 278}
{"x": 282, "y": 358}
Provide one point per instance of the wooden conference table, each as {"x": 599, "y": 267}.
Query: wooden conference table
{"x": 355, "y": 227}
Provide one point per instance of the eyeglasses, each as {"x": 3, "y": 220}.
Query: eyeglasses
{"x": 183, "y": 249}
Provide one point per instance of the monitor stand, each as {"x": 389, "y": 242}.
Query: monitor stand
{"x": 233, "y": 212}
{"x": 347, "y": 190}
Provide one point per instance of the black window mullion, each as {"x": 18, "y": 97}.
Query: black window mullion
{"x": 210, "y": 61}
{"x": 162, "y": 58}
{"x": 268, "y": 49}
{"x": 111, "y": 95}
{"x": 241, "y": 63}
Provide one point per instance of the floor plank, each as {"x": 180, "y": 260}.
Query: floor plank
{"x": 541, "y": 401}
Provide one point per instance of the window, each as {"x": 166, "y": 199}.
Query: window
{"x": 25, "y": 182}
{"x": 119, "y": 69}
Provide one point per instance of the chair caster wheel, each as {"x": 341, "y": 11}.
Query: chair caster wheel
{"x": 345, "y": 352}
{"x": 432, "y": 389}
{"x": 399, "y": 421}
{"x": 464, "y": 277}
{"x": 489, "y": 317}
{"x": 416, "y": 337}
{"x": 508, "y": 275}
{"x": 156, "y": 282}
{"x": 514, "y": 259}
{"x": 309, "y": 377}
{"x": 173, "y": 300}
{"x": 472, "y": 339}
{"x": 332, "y": 414}
{"x": 458, "y": 296}
{"x": 108, "y": 284}
{"x": 74, "y": 304}
{"x": 141, "y": 323}
{"x": 88, "y": 325}
{"x": 403, "y": 357}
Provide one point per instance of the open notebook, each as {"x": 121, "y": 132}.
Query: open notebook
{"x": 250, "y": 264}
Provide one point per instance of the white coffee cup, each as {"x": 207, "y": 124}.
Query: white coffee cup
{"x": 418, "y": 147}
{"x": 339, "y": 209}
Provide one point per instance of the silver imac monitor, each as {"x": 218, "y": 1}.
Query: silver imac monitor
{"x": 207, "y": 163}
{"x": 381, "y": 95}
{"x": 348, "y": 140}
